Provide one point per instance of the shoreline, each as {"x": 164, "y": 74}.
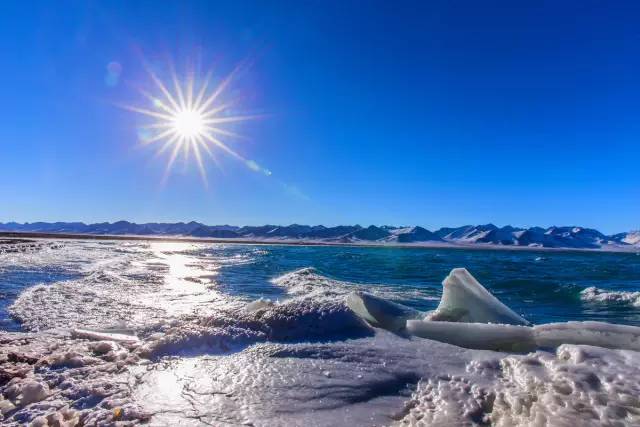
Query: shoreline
{"x": 239, "y": 241}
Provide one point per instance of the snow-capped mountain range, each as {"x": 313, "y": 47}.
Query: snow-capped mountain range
{"x": 489, "y": 234}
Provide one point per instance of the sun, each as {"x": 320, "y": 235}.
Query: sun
{"x": 192, "y": 120}
{"x": 189, "y": 124}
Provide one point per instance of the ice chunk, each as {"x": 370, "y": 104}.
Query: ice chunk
{"x": 106, "y": 335}
{"x": 466, "y": 300}
{"x": 598, "y": 334}
{"x": 463, "y": 300}
{"x": 480, "y": 336}
{"x": 381, "y": 313}
{"x": 515, "y": 338}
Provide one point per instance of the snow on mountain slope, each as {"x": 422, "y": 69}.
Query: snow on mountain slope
{"x": 630, "y": 238}
{"x": 487, "y": 234}
{"x": 413, "y": 234}
{"x": 453, "y": 233}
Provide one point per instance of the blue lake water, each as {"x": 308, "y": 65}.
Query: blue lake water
{"x": 543, "y": 286}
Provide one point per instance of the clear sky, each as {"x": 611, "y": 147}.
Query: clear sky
{"x": 430, "y": 113}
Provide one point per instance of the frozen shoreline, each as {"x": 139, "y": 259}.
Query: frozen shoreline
{"x": 303, "y": 242}
{"x": 146, "y": 334}
{"x": 379, "y": 380}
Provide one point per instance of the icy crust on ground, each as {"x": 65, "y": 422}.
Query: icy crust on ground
{"x": 593, "y": 294}
{"x": 52, "y": 379}
{"x": 359, "y": 382}
{"x": 367, "y": 381}
{"x": 17, "y": 246}
{"x": 578, "y": 385}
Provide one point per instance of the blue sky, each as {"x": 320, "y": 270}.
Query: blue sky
{"x": 431, "y": 113}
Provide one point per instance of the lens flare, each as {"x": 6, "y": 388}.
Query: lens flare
{"x": 189, "y": 120}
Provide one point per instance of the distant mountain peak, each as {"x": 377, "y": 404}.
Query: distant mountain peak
{"x": 485, "y": 234}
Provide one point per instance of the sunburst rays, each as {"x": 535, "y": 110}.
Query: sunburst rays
{"x": 189, "y": 119}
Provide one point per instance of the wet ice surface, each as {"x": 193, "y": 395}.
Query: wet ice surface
{"x": 358, "y": 382}
{"x": 128, "y": 285}
{"x": 175, "y": 347}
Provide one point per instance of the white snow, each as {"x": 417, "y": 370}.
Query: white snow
{"x": 632, "y": 238}
{"x": 575, "y": 386}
